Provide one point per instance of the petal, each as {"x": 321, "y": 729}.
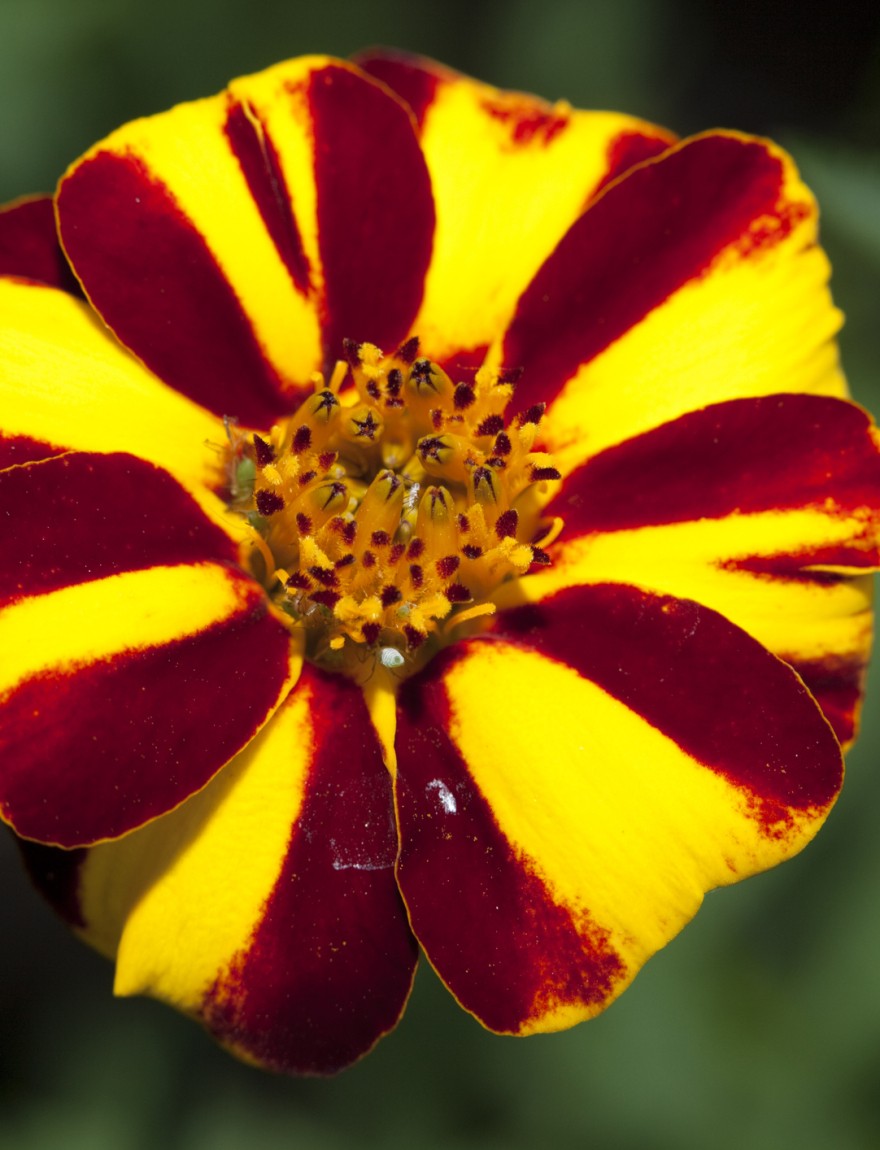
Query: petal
{"x": 510, "y": 174}
{"x": 65, "y": 383}
{"x": 570, "y": 786}
{"x": 233, "y": 242}
{"x": 29, "y": 247}
{"x": 765, "y": 509}
{"x": 292, "y": 947}
{"x": 138, "y": 658}
{"x": 694, "y": 279}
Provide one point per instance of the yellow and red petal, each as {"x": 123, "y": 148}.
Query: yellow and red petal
{"x": 694, "y": 279}
{"x": 138, "y": 657}
{"x": 232, "y": 250}
{"x": 29, "y": 247}
{"x": 765, "y": 509}
{"x": 510, "y": 174}
{"x": 571, "y": 785}
{"x": 291, "y": 945}
{"x": 65, "y": 384}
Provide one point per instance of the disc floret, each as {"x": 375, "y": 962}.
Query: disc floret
{"x": 384, "y": 512}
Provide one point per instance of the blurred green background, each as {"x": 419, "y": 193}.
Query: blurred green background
{"x": 760, "y": 1026}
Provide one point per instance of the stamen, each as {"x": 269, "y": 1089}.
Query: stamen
{"x": 269, "y": 502}
{"x": 386, "y": 510}
{"x": 263, "y": 452}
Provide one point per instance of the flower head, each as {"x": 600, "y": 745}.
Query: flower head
{"x": 433, "y": 518}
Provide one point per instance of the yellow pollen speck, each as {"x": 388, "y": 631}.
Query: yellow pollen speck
{"x": 390, "y": 505}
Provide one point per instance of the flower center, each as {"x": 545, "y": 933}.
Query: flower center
{"x": 381, "y": 516}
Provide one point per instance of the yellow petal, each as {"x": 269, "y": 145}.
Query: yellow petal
{"x": 67, "y": 384}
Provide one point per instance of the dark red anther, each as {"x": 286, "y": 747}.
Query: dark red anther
{"x": 463, "y": 396}
{"x": 351, "y": 350}
{"x": 416, "y": 548}
{"x": 414, "y": 638}
{"x": 539, "y": 473}
{"x": 394, "y": 382}
{"x": 390, "y": 595}
{"x": 501, "y": 446}
{"x": 373, "y": 389}
{"x": 533, "y": 414}
{"x": 345, "y": 561}
{"x": 506, "y": 524}
{"x": 326, "y": 576}
{"x": 491, "y": 425}
{"x": 371, "y": 632}
{"x": 326, "y": 598}
{"x": 396, "y": 553}
{"x": 326, "y": 460}
{"x": 268, "y": 502}
{"x": 380, "y": 538}
{"x": 510, "y": 375}
{"x": 368, "y": 559}
{"x": 447, "y": 566}
{"x": 408, "y": 350}
{"x": 303, "y": 523}
{"x": 306, "y": 478}
{"x": 300, "y": 581}
{"x": 464, "y": 524}
{"x": 540, "y": 557}
{"x": 263, "y": 453}
{"x": 416, "y": 575}
{"x": 302, "y": 440}
{"x": 457, "y": 593}
{"x": 471, "y": 551}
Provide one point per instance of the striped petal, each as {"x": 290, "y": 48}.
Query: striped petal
{"x": 764, "y": 509}
{"x": 66, "y": 384}
{"x": 292, "y": 947}
{"x": 694, "y": 279}
{"x": 510, "y": 174}
{"x": 571, "y": 785}
{"x": 232, "y": 249}
{"x": 138, "y": 657}
{"x": 29, "y": 247}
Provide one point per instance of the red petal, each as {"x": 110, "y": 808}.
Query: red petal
{"x": 29, "y": 247}
{"x": 329, "y": 967}
{"x": 777, "y": 452}
{"x": 648, "y": 235}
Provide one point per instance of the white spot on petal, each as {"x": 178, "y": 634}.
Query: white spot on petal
{"x": 444, "y": 794}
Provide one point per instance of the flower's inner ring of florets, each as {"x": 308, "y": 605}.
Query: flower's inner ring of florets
{"x": 386, "y": 510}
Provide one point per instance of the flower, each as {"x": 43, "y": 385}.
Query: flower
{"x": 435, "y": 518}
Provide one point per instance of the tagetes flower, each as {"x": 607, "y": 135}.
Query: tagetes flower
{"x": 432, "y": 517}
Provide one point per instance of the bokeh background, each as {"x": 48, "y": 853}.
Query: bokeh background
{"x": 760, "y": 1026}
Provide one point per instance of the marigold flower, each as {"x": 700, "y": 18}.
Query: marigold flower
{"x": 433, "y": 517}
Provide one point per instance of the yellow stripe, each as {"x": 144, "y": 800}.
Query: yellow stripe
{"x": 619, "y": 822}
{"x": 790, "y": 617}
{"x": 129, "y": 612}
{"x": 187, "y": 150}
{"x": 64, "y": 379}
{"x": 181, "y": 896}
{"x": 501, "y": 209}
